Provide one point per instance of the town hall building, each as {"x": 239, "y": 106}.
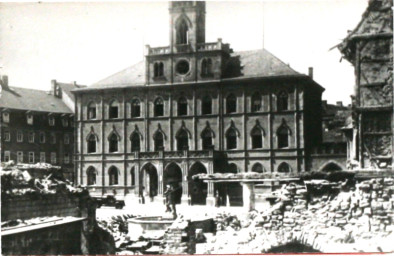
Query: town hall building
{"x": 194, "y": 107}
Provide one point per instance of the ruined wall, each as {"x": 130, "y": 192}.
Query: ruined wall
{"x": 369, "y": 47}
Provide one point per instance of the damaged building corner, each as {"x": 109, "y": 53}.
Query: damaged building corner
{"x": 369, "y": 47}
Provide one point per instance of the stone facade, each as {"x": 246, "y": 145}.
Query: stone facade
{"x": 194, "y": 107}
{"x": 369, "y": 47}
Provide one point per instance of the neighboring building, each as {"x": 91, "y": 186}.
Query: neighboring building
{"x": 331, "y": 153}
{"x": 194, "y": 107}
{"x": 37, "y": 126}
{"x": 369, "y": 47}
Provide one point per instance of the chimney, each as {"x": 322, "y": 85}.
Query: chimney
{"x": 310, "y": 72}
{"x": 4, "y": 83}
{"x": 339, "y": 104}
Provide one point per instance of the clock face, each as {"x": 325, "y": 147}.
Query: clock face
{"x": 182, "y": 67}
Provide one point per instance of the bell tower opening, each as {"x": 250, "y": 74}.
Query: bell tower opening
{"x": 182, "y": 33}
{"x": 187, "y": 23}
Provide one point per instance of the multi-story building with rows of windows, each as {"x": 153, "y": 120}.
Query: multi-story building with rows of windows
{"x": 194, "y": 107}
{"x": 38, "y": 126}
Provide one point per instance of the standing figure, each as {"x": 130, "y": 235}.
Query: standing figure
{"x": 217, "y": 199}
{"x": 142, "y": 195}
{"x": 167, "y": 195}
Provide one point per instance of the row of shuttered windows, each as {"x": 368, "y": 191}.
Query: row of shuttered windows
{"x": 31, "y": 137}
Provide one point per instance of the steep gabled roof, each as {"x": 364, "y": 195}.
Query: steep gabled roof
{"x": 377, "y": 20}
{"x": 33, "y": 100}
{"x": 255, "y": 63}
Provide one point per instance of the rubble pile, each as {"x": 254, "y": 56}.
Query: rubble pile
{"x": 117, "y": 226}
{"x": 356, "y": 219}
{"x": 34, "y": 179}
{"x": 179, "y": 238}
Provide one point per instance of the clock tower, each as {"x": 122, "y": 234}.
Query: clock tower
{"x": 188, "y": 58}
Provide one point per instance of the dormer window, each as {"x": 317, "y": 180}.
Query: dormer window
{"x": 6, "y": 117}
{"x": 51, "y": 121}
{"x": 29, "y": 118}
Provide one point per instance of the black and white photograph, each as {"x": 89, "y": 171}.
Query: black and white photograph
{"x": 196, "y": 127}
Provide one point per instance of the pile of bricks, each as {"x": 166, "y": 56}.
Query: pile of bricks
{"x": 179, "y": 238}
{"x": 350, "y": 221}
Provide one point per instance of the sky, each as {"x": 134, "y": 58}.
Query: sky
{"x": 86, "y": 42}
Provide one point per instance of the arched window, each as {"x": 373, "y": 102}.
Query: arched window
{"x": 182, "y": 33}
{"x": 91, "y": 175}
{"x": 257, "y": 138}
{"x": 113, "y": 143}
{"x": 92, "y": 110}
{"x": 113, "y": 109}
{"x": 159, "y": 107}
{"x": 257, "y": 167}
{"x": 231, "y": 138}
{"x": 91, "y": 143}
{"x": 159, "y": 141}
{"x": 256, "y": 102}
{"x": 206, "y": 106}
{"x": 282, "y": 103}
{"x": 182, "y": 139}
{"x": 182, "y": 106}
{"x": 206, "y": 67}
{"x": 231, "y": 104}
{"x": 283, "y": 136}
{"x": 136, "y": 108}
{"x": 113, "y": 176}
{"x": 135, "y": 142}
{"x": 284, "y": 167}
{"x": 207, "y": 137}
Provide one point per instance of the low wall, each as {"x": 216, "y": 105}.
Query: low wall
{"x": 32, "y": 206}
{"x": 54, "y": 240}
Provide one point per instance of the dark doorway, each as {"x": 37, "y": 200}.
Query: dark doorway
{"x": 173, "y": 176}
{"x": 292, "y": 247}
{"x": 198, "y": 189}
{"x": 331, "y": 167}
{"x": 230, "y": 192}
{"x": 149, "y": 180}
